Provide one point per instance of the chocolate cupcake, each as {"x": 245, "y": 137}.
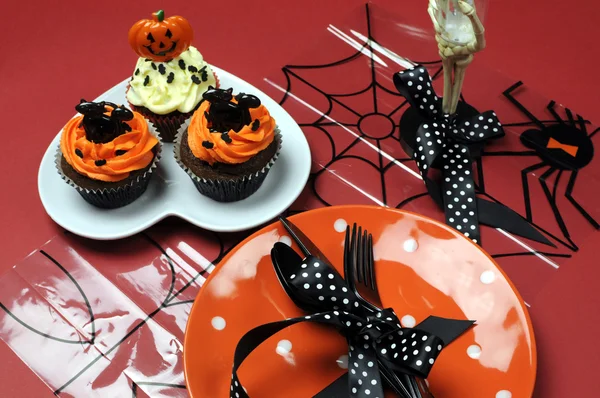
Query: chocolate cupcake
{"x": 229, "y": 146}
{"x": 170, "y": 76}
{"x": 107, "y": 154}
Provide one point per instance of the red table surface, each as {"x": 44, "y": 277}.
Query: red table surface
{"x": 56, "y": 53}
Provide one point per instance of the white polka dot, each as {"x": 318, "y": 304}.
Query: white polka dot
{"x": 283, "y": 347}
{"x": 305, "y": 274}
{"x": 408, "y": 321}
{"x": 474, "y": 351}
{"x": 286, "y": 239}
{"x": 419, "y": 362}
{"x": 218, "y": 323}
{"x": 342, "y": 361}
{"x": 487, "y": 277}
{"x": 306, "y": 285}
{"x": 504, "y": 394}
{"x": 410, "y": 245}
{"x": 340, "y": 225}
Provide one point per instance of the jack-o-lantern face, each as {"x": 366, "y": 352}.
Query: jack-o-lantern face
{"x": 160, "y": 39}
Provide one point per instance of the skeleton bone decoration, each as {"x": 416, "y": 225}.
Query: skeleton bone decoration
{"x": 456, "y": 53}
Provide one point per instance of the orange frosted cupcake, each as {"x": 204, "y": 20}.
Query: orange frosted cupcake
{"x": 229, "y": 146}
{"x": 107, "y": 153}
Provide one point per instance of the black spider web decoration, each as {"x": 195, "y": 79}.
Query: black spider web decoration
{"x": 322, "y": 122}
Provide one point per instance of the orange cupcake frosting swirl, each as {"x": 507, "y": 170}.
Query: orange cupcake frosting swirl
{"x": 244, "y": 144}
{"x": 111, "y": 161}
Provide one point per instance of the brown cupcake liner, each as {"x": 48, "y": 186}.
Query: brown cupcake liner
{"x": 169, "y": 124}
{"x": 112, "y": 198}
{"x": 228, "y": 190}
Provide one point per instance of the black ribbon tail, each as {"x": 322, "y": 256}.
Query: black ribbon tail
{"x": 446, "y": 329}
{"x": 497, "y": 215}
{"x": 337, "y": 389}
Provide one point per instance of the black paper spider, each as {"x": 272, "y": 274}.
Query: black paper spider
{"x": 564, "y": 146}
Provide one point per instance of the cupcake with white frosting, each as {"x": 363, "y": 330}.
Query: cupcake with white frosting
{"x": 170, "y": 76}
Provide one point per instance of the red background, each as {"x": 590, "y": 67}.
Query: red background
{"x": 54, "y": 53}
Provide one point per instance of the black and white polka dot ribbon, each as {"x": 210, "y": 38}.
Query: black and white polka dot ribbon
{"x": 442, "y": 141}
{"x": 375, "y": 339}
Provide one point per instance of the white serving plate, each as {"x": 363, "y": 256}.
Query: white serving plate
{"x": 171, "y": 192}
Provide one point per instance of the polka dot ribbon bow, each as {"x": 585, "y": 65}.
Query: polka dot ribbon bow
{"x": 375, "y": 339}
{"x": 442, "y": 141}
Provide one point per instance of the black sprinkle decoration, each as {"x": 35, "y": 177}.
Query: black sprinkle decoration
{"x": 182, "y": 64}
{"x": 147, "y": 80}
{"x": 196, "y": 80}
{"x": 161, "y": 69}
{"x": 255, "y": 125}
{"x": 171, "y": 77}
{"x": 147, "y": 60}
{"x": 78, "y": 152}
{"x": 137, "y": 72}
{"x": 225, "y": 137}
{"x": 100, "y": 162}
{"x": 203, "y": 74}
{"x": 153, "y": 65}
{"x": 207, "y": 144}
{"x": 192, "y": 69}
{"x": 120, "y": 152}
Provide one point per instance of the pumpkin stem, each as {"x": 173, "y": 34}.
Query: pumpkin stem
{"x": 159, "y": 15}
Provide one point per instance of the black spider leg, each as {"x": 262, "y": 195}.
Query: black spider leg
{"x": 569, "y": 196}
{"x": 582, "y": 125}
{"x": 508, "y": 94}
{"x": 525, "y": 184}
{"x": 594, "y": 132}
{"x": 550, "y": 107}
{"x": 551, "y": 197}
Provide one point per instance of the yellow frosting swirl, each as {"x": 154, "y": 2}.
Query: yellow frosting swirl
{"x": 244, "y": 144}
{"x": 111, "y": 161}
{"x": 177, "y": 85}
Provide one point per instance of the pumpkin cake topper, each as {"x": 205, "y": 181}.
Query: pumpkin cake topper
{"x": 161, "y": 39}
{"x": 99, "y": 127}
{"x": 225, "y": 115}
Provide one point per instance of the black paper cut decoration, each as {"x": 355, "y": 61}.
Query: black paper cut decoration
{"x": 374, "y": 338}
{"x": 225, "y": 115}
{"x": 562, "y": 147}
{"x": 443, "y": 142}
{"x": 99, "y": 127}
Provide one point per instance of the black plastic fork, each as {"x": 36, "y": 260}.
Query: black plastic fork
{"x": 361, "y": 246}
{"x": 351, "y": 260}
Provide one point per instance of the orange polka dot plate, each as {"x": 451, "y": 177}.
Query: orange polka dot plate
{"x": 422, "y": 268}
